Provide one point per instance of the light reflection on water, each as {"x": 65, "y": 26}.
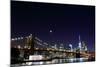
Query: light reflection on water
{"x": 56, "y": 61}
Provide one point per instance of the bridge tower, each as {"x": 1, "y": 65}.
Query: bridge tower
{"x": 30, "y": 43}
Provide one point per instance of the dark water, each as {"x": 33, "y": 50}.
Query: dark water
{"x": 57, "y": 61}
{"x": 54, "y": 61}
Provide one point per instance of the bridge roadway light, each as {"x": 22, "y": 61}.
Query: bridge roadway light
{"x": 12, "y": 39}
{"x": 48, "y": 49}
{"x": 25, "y": 46}
{"x": 37, "y": 48}
{"x": 15, "y": 39}
{"x": 19, "y": 46}
{"x": 19, "y": 38}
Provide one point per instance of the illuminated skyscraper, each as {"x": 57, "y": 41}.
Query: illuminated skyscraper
{"x": 71, "y": 48}
{"x": 84, "y": 46}
{"x": 80, "y": 44}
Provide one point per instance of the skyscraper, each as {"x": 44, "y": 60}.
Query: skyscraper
{"x": 80, "y": 44}
{"x": 84, "y": 46}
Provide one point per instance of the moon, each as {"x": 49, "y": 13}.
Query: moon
{"x": 50, "y": 31}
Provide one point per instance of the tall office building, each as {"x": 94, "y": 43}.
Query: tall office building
{"x": 84, "y": 46}
{"x": 71, "y": 47}
{"x": 80, "y": 44}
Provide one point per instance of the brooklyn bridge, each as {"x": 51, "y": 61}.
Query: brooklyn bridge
{"x": 33, "y": 49}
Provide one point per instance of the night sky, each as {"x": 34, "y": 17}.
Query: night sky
{"x": 54, "y": 22}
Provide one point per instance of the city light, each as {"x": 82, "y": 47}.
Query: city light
{"x": 12, "y": 39}
{"x": 35, "y": 57}
{"x": 19, "y": 38}
{"x": 19, "y": 46}
{"x": 15, "y": 38}
{"x": 36, "y": 48}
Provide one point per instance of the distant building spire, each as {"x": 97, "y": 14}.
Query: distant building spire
{"x": 79, "y": 38}
{"x": 79, "y": 44}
